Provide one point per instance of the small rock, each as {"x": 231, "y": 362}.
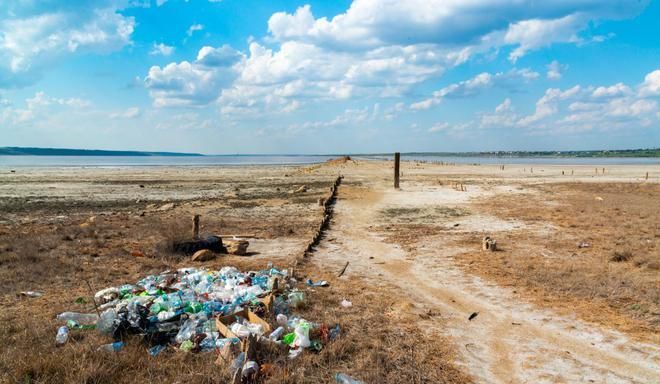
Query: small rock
{"x": 166, "y": 207}
{"x": 236, "y": 247}
{"x": 203, "y": 255}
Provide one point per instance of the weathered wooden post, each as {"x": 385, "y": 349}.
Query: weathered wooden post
{"x": 397, "y": 161}
{"x": 647, "y": 175}
{"x": 195, "y": 227}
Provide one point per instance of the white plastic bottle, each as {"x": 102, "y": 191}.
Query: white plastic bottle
{"x": 62, "y": 335}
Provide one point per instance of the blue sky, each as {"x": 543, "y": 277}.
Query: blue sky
{"x": 248, "y": 76}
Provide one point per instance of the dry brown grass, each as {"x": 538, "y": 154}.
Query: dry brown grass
{"x": 613, "y": 281}
{"x": 58, "y": 257}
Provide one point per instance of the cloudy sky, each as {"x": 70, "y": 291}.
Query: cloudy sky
{"x": 270, "y": 76}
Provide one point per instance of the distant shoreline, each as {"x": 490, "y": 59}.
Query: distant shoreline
{"x": 19, "y": 151}
{"x": 625, "y": 153}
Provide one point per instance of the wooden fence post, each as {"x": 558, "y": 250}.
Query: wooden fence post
{"x": 397, "y": 160}
{"x": 195, "y": 227}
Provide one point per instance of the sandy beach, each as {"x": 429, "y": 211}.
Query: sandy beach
{"x": 571, "y": 295}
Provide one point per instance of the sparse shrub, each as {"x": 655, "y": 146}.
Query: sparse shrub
{"x": 621, "y": 256}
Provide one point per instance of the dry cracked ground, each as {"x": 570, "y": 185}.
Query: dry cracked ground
{"x": 571, "y": 295}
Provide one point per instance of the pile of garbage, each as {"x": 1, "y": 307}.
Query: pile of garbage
{"x": 202, "y": 310}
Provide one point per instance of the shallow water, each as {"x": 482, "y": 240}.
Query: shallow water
{"x": 131, "y": 161}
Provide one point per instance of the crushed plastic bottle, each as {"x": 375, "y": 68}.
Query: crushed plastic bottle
{"x": 346, "y": 304}
{"x": 156, "y": 349}
{"x": 187, "y": 331}
{"x": 343, "y": 378}
{"x": 62, "y": 336}
{"x": 80, "y": 318}
{"x": 106, "y": 321}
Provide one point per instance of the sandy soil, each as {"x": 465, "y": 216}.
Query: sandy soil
{"x": 419, "y": 246}
{"x": 511, "y": 340}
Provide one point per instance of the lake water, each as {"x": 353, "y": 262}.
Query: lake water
{"x": 130, "y": 161}
{"x": 529, "y": 160}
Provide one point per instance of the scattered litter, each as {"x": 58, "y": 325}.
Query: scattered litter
{"x": 598, "y": 198}
{"x": 489, "y": 244}
{"x": 111, "y": 347}
{"x": 296, "y": 298}
{"x": 346, "y": 304}
{"x": 343, "y": 270}
{"x": 193, "y": 310}
{"x": 156, "y": 349}
{"x": 81, "y": 318}
{"x": 31, "y": 294}
{"x": 321, "y": 283}
{"x": 473, "y": 315}
{"x": 137, "y": 254}
{"x": 334, "y": 333}
{"x": 584, "y": 245}
{"x": 343, "y": 378}
{"x": 62, "y": 335}
{"x": 75, "y": 325}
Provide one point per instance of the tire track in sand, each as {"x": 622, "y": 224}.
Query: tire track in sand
{"x": 510, "y": 341}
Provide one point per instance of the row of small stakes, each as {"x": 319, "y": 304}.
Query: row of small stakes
{"x": 328, "y": 209}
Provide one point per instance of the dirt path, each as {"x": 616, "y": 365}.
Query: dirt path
{"x": 509, "y": 341}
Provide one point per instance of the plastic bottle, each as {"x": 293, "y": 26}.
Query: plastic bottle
{"x": 62, "y": 335}
{"x": 343, "y": 378}
{"x": 187, "y": 331}
{"x": 156, "y": 349}
{"x": 276, "y": 334}
{"x": 80, "y": 318}
{"x": 112, "y": 347}
{"x": 105, "y": 323}
{"x": 238, "y": 362}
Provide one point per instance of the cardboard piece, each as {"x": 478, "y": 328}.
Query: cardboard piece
{"x": 222, "y": 323}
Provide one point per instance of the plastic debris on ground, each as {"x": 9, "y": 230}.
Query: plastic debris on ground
{"x": 200, "y": 310}
{"x": 321, "y": 283}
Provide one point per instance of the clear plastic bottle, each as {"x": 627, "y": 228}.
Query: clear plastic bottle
{"x": 343, "y": 378}
{"x": 276, "y": 334}
{"x": 62, "y": 335}
{"x": 112, "y": 347}
{"x": 238, "y": 362}
{"x": 105, "y": 323}
{"x": 80, "y": 318}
